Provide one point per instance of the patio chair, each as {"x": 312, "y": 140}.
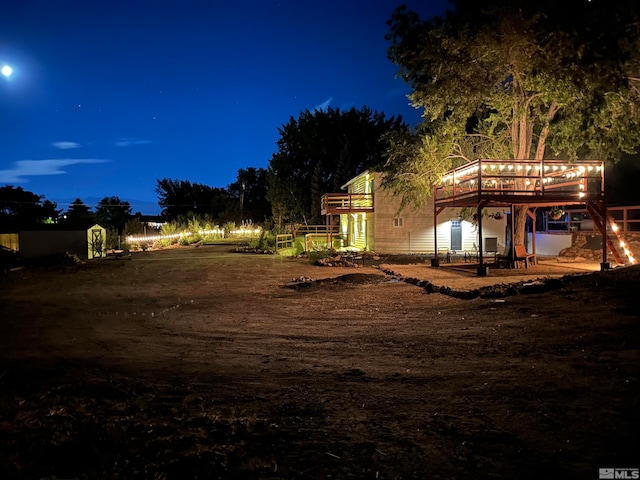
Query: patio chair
{"x": 504, "y": 260}
{"x": 521, "y": 255}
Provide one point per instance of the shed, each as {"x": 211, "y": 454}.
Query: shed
{"x": 86, "y": 244}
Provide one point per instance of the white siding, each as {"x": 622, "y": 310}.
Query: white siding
{"x": 416, "y": 235}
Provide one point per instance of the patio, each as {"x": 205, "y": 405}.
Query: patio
{"x": 464, "y": 276}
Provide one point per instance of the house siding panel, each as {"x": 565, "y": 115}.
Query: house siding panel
{"x": 416, "y": 235}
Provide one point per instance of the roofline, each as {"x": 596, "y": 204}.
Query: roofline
{"x": 366, "y": 172}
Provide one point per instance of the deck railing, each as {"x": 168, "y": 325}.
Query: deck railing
{"x": 336, "y": 203}
{"x": 315, "y": 229}
{"x": 627, "y": 218}
{"x": 509, "y": 179}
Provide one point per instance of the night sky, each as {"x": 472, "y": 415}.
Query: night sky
{"x": 106, "y": 97}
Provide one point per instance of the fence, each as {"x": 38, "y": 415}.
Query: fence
{"x": 284, "y": 240}
{"x": 10, "y": 241}
{"x": 315, "y": 229}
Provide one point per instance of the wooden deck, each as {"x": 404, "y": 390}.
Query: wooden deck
{"x": 518, "y": 182}
{"x": 337, "y": 203}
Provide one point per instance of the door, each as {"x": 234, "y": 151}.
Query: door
{"x": 456, "y": 235}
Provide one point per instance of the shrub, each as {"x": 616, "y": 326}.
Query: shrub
{"x": 184, "y": 240}
{"x": 316, "y": 255}
{"x": 112, "y": 240}
{"x": 169, "y": 228}
{"x": 298, "y": 246}
{"x": 228, "y": 227}
{"x": 134, "y": 227}
{"x": 266, "y": 241}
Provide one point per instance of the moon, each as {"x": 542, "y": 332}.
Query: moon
{"x": 6, "y": 70}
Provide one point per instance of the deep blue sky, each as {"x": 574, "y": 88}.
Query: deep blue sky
{"x": 109, "y": 96}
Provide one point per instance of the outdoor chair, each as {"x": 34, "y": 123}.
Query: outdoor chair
{"x": 521, "y": 255}
{"x": 491, "y": 248}
{"x": 504, "y": 260}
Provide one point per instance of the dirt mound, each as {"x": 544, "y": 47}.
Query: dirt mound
{"x": 340, "y": 281}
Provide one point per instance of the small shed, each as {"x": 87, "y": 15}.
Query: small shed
{"x": 86, "y": 244}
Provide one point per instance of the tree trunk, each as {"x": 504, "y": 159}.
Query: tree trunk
{"x": 519, "y": 221}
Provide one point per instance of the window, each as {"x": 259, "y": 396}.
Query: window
{"x": 398, "y": 222}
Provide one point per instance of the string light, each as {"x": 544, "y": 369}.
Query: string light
{"x": 536, "y": 174}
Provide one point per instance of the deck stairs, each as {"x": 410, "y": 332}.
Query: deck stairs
{"x": 606, "y": 224}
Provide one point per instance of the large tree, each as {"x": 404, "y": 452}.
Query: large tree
{"x": 318, "y": 152}
{"x": 515, "y": 80}
{"x": 21, "y": 208}
{"x": 113, "y": 212}
{"x": 181, "y": 197}
{"x": 78, "y": 215}
{"x": 249, "y": 193}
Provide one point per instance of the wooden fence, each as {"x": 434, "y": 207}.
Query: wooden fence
{"x": 10, "y": 241}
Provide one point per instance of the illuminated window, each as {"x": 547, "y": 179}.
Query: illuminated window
{"x": 398, "y": 222}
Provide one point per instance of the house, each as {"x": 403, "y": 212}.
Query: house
{"x": 370, "y": 219}
{"x": 151, "y": 223}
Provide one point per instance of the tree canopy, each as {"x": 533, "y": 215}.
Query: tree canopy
{"x": 181, "y": 197}
{"x": 515, "y": 80}
{"x": 318, "y": 153}
{"x": 249, "y": 194}
{"x": 21, "y": 208}
{"x": 113, "y": 212}
{"x": 78, "y": 215}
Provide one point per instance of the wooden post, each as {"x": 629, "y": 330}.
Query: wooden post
{"x": 512, "y": 253}
{"x": 483, "y": 270}
{"x": 328, "y": 233}
{"x": 435, "y": 261}
{"x": 532, "y": 214}
{"x": 604, "y": 265}
{"x": 480, "y": 243}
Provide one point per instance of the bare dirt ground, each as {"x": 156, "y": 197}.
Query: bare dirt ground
{"x": 201, "y": 363}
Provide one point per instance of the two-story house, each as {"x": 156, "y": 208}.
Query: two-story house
{"x": 371, "y": 219}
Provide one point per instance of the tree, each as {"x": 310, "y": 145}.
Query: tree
{"x": 181, "y": 197}
{"x": 318, "y": 153}
{"x": 20, "y": 208}
{"x": 113, "y": 212}
{"x": 250, "y": 192}
{"x": 78, "y": 216}
{"x": 50, "y": 212}
{"x": 514, "y": 80}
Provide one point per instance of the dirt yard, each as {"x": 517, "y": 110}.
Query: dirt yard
{"x": 202, "y": 363}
